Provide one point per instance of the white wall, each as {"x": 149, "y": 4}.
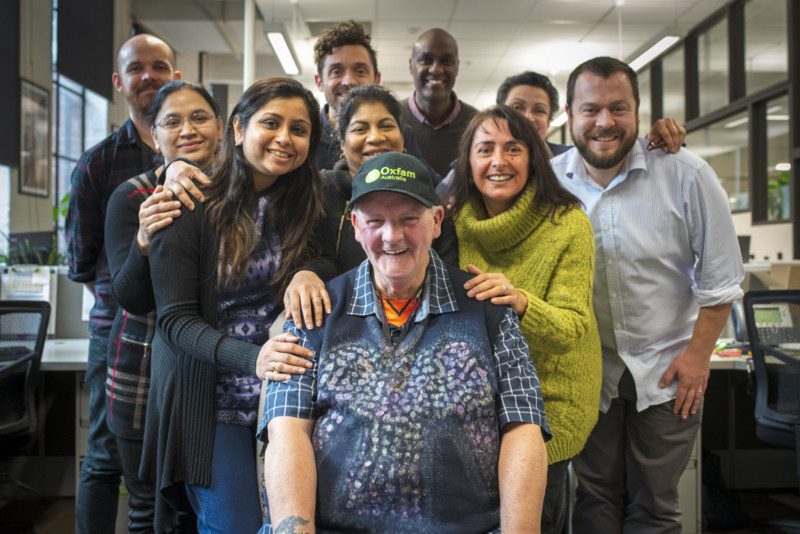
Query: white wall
{"x": 767, "y": 240}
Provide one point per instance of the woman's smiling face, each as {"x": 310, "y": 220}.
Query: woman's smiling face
{"x": 372, "y": 130}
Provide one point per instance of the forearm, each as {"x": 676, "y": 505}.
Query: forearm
{"x": 131, "y": 286}
{"x": 290, "y": 475}
{"x": 710, "y": 321}
{"x": 522, "y": 473}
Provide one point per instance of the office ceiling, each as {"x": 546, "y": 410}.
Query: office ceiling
{"x": 496, "y": 37}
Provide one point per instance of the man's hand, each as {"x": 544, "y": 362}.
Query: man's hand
{"x": 156, "y": 212}
{"x": 181, "y": 178}
{"x": 667, "y": 134}
{"x": 691, "y": 366}
{"x": 497, "y": 287}
{"x": 691, "y": 370}
{"x": 306, "y": 300}
{"x": 281, "y": 357}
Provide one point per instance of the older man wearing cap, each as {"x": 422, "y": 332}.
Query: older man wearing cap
{"x": 422, "y": 412}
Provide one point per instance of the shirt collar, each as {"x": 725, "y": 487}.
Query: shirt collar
{"x": 636, "y": 161}
{"x": 412, "y": 105}
{"x": 437, "y": 295}
{"x": 129, "y": 136}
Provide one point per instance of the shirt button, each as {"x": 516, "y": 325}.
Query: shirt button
{"x": 617, "y": 326}
{"x": 613, "y": 295}
{"x": 610, "y": 262}
{"x": 605, "y": 228}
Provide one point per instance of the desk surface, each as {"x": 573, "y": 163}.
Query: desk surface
{"x": 729, "y": 363}
{"x": 65, "y": 355}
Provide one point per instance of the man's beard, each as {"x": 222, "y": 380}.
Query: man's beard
{"x": 140, "y": 103}
{"x": 606, "y": 161}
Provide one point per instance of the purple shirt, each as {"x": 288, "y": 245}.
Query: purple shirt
{"x": 246, "y": 312}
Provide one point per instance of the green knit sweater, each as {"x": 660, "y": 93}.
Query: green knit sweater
{"x": 553, "y": 265}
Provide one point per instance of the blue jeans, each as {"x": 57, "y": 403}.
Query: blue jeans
{"x": 98, "y": 492}
{"x": 230, "y": 503}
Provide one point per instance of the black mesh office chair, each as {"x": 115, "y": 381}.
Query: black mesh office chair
{"x": 23, "y": 328}
{"x": 773, "y": 326}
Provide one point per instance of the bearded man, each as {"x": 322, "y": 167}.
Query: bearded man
{"x": 144, "y": 64}
{"x": 666, "y": 271}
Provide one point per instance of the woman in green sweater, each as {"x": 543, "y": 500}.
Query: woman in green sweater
{"x": 531, "y": 247}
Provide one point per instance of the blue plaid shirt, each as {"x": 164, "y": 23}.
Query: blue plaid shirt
{"x": 387, "y": 416}
{"x": 99, "y": 171}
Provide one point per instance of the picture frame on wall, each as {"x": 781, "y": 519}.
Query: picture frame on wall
{"x": 34, "y": 160}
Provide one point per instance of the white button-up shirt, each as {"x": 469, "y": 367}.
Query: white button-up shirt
{"x": 665, "y": 246}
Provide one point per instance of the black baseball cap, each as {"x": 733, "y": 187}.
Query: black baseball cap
{"x": 395, "y": 172}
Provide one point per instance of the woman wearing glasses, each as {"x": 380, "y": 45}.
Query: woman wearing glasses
{"x": 185, "y": 124}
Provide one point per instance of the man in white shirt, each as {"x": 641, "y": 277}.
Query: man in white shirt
{"x": 666, "y": 271}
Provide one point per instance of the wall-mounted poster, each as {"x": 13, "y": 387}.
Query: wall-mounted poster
{"x": 34, "y": 164}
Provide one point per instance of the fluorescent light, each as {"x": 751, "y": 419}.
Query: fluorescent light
{"x": 736, "y": 122}
{"x": 651, "y": 53}
{"x": 283, "y": 49}
{"x": 783, "y": 167}
{"x": 560, "y": 120}
{"x": 778, "y": 117}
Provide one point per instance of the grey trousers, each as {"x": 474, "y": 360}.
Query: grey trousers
{"x": 628, "y": 472}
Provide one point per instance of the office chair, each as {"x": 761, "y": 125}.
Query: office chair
{"x": 23, "y": 328}
{"x": 773, "y": 326}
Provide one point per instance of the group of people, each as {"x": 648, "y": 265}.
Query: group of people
{"x": 469, "y": 309}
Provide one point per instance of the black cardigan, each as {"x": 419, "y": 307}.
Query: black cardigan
{"x": 181, "y": 410}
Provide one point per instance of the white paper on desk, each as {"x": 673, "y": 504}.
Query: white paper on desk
{"x": 87, "y": 304}
{"x": 31, "y": 282}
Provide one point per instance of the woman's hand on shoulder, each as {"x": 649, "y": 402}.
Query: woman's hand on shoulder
{"x": 497, "y": 287}
{"x": 156, "y": 212}
{"x": 281, "y": 357}
{"x": 181, "y": 178}
{"x": 306, "y": 300}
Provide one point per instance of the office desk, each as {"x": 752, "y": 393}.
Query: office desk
{"x": 65, "y": 355}
{"x": 70, "y": 355}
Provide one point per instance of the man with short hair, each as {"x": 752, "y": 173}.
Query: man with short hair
{"x": 667, "y": 269}
{"x": 424, "y": 406}
{"x": 435, "y": 114}
{"x": 345, "y": 58}
{"x": 144, "y": 64}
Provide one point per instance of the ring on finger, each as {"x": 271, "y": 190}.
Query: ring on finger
{"x": 505, "y": 289}
{"x": 274, "y": 364}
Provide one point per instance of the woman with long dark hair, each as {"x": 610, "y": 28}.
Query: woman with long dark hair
{"x": 531, "y": 247}
{"x": 219, "y": 272}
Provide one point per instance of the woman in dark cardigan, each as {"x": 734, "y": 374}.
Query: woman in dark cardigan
{"x": 185, "y": 123}
{"x": 369, "y": 124}
{"x": 218, "y": 272}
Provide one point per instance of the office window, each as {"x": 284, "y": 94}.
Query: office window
{"x": 673, "y": 85}
{"x": 724, "y": 145}
{"x": 645, "y": 108}
{"x": 765, "y": 43}
{"x": 5, "y": 208}
{"x": 81, "y": 122}
{"x": 778, "y": 160}
{"x": 712, "y": 67}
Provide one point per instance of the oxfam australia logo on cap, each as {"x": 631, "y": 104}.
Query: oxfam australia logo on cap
{"x": 389, "y": 173}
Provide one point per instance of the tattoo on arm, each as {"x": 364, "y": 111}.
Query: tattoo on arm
{"x": 290, "y": 525}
